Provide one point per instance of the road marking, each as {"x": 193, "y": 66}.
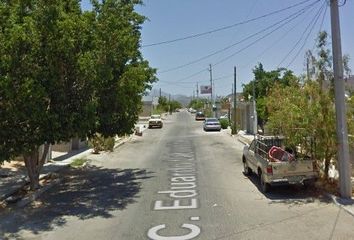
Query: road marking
{"x": 182, "y": 193}
{"x": 194, "y": 232}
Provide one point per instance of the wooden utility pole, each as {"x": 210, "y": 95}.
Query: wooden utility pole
{"x": 255, "y": 123}
{"x": 345, "y": 186}
{"x": 211, "y": 92}
{"x": 197, "y": 91}
{"x": 234, "y": 126}
{"x": 308, "y": 68}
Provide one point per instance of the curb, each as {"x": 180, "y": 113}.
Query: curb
{"x": 340, "y": 202}
{"x": 69, "y": 160}
{"x": 241, "y": 140}
{"x": 123, "y": 141}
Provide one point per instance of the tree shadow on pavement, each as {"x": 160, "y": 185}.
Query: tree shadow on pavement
{"x": 84, "y": 193}
{"x": 290, "y": 194}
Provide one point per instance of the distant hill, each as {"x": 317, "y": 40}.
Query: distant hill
{"x": 184, "y": 100}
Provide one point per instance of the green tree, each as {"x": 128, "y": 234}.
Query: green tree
{"x": 262, "y": 83}
{"x": 122, "y": 75}
{"x": 324, "y": 62}
{"x": 197, "y": 104}
{"x": 64, "y": 74}
{"x": 40, "y": 80}
{"x": 305, "y": 115}
{"x": 174, "y": 105}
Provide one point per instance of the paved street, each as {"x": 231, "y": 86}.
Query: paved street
{"x": 177, "y": 182}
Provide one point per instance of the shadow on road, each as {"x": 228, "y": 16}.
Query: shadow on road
{"x": 290, "y": 194}
{"x": 84, "y": 193}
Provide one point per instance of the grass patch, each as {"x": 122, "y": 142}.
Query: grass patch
{"x": 79, "y": 162}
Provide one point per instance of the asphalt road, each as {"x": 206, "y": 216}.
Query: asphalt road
{"x": 175, "y": 183}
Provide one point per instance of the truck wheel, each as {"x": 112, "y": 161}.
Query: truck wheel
{"x": 246, "y": 169}
{"x": 264, "y": 186}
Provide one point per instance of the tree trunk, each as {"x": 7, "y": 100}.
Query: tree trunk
{"x": 34, "y": 164}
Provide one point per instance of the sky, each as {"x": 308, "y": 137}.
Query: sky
{"x": 277, "y": 40}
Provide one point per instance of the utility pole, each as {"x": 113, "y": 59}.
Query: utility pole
{"x": 160, "y": 92}
{"x": 169, "y": 104}
{"x": 232, "y": 94}
{"x": 255, "y": 124}
{"x": 308, "y": 68}
{"x": 234, "y": 127}
{"x": 197, "y": 91}
{"x": 211, "y": 86}
{"x": 345, "y": 186}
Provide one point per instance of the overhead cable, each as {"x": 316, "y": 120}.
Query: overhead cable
{"x": 259, "y": 39}
{"x": 193, "y": 82}
{"x": 321, "y": 27}
{"x": 306, "y": 8}
{"x": 302, "y": 36}
{"x": 297, "y": 24}
{"x": 308, "y": 35}
{"x": 225, "y": 27}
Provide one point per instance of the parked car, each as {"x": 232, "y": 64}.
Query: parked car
{"x": 199, "y": 116}
{"x": 211, "y": 124}
{"x": 192, "y": 110}
{"x": 155, "y": 121}
{"x": 274, "y": 165}
{"x": 225, "y": 116}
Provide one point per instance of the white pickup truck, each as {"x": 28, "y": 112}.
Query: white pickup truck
{"x": 257, "y": 157}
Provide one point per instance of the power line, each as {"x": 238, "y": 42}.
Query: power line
{"x": 342, "y": 4}
{"x": 175, "y": 84}
{"x": 276, "y": 42}
{"x": 192, "y": 75}
{"x": 306, "y": 8}
{"x": 255, "y": 3}
{"x": 193, "y": 82}
{"x": 225, "y": 27}
{"x": 308, "y": 35}
{"x": 321, "y": 26}
{"x": 257, "y": 40}
{"x": 302, "y": 35}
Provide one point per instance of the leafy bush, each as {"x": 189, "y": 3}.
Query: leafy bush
{"x": 100, "y": 143}
{"x": 224, "y": 123}
{"x": 109, "y": 144}
{"x": 78, "y": 162}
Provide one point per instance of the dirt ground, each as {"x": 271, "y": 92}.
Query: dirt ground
{"x": 13, "y": 166}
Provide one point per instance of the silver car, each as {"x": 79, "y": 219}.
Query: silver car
{"x": 211, "y": 124}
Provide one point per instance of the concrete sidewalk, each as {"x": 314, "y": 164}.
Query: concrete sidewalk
{"x": 12, "y": 181}
{"x": 241, "y": 136}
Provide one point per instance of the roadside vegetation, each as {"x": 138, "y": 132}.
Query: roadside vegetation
{"x": 66, "y": 73}
{"x": 198, "y": 104}
{"x": 302, "y": 108}
{"x": 165, "y": 105}
{"x": 224, "y": 123}
{"x": 79, "y": 162}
